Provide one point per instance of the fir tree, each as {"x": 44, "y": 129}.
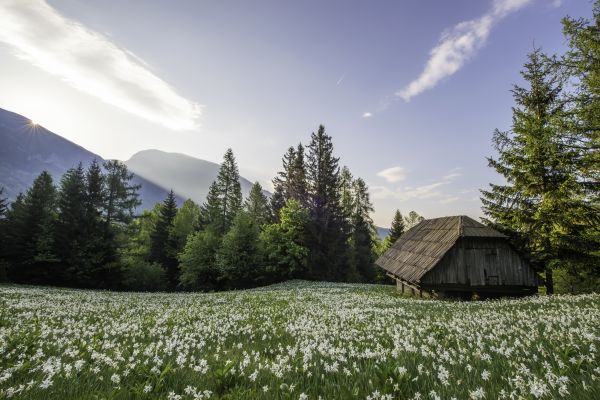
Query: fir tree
{"x": 121, "y": 197}
{"x": 257, "y": 205}
{"x": 71, "y": 228}
{"x": 362, "y": 245}
{"x": 224, "y": 197}
{"x": 163, "y": 244}
{"x": 296, "y": 174}
{"x": 281, "y": 182}
{"x": 328, "y": 246}
{"x": 540, "y": 201}
{"x": 397, "y": 228}
{"x": 3, "y": 203}
{"x": 30, "y": 226}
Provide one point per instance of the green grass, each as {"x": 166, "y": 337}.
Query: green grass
{"x": 292, "y": 341}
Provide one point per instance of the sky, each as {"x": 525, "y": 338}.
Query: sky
{"x": 410, "y": 91}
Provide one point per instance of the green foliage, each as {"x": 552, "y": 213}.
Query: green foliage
{"x": 122, "y": 196}
{"x": 397, "y": 228}
{"x": 198, "y": 261}
{"x": 185, "y": 222}
{"x": 362, "y": 255}
{"x": 412, "y": 219}
{"x": 328, "y": 239}
{"x": 542, "y": 205}
{"x": 285, "y": 243}
{"x": 257, "y": 205}
{"x": 140, "y": 275}
{"x": 163, "y": 242}
{"x": 225, "y": 196}
{"x": 239, "y": 259}
{"x": 30, "y": 234}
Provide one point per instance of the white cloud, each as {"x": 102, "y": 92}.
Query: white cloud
{"x": 429, "y": 191}
{"x": 457, "y": 46}
{"x": 367, "y": 115}
{"x": 394, "y": 174}
{"x": 91, "y": 63}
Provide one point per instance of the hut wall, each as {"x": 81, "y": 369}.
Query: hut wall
{"x": 479, "y": 261}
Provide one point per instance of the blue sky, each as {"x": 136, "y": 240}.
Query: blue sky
{"x": 411, "y": 91}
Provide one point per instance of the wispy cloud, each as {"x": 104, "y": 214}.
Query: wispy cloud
{"x": 340, "y": 80}
{"x": 367, "y": 115}
{"x": 394, "y": 174}
{"x": 90, "y": 62}
{"x": 422, "y": 192}
{"x": 457, "y": 45}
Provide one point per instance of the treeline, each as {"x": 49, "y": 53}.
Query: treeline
{"x": 550, "y": 161}
{"x": 84, "y": 233}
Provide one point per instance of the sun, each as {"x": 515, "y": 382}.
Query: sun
{"x": 32, "y": 123}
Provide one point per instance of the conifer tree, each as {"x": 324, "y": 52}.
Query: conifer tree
{"x": 121, "y": 197}
{"x": 224, "y": 197}
{"x": 71, "y": 228}
{"x": 397, "y": 228}
{"x": 3, "y": 203}
{"x": 541, "y": 199}
{"x": 362, "y": 245}
{"x": 163, "y": 244}
{"x": 296, "y": 174}
{"x": 257, "y": 205}
{"x": 328, "y": 247}
{"x": 281, "y": 182}
{"x": 30, "y": 234}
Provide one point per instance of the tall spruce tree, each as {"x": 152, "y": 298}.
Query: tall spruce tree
{"x": 281, "y": 182}
{"x": 163, "y": 243}
{"x": 121, "y": 195}
{"x": 224, "y": 198}
{"x": 257, "y": 205}
{"x": 3, "y": 203}
{"x": 397, "y": 228}
{"x": 328, "y": 247}
{"x": 296, "y": 173}
{"x": 540, "y": 201}
{"x": 30, "y": 224}
{"x": 362, "y": 244}
{"x": 71, "y": 228}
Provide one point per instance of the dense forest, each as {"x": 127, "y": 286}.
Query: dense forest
{"x": 317, "y": 224}
{"x": 84, "y": 233}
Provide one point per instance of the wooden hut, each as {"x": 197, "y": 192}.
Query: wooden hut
{"x": 458, "y": 256}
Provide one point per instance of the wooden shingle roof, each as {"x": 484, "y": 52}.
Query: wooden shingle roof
{"x": 423, "y": 246}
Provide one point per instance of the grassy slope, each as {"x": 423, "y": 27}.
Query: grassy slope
{"x": 294, "y": 340}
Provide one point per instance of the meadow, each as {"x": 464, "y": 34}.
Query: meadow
{"x": 296, "y": 340}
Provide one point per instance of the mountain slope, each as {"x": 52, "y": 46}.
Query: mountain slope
{"x": 26, "y": 150}
{"x": 188, "y": 176}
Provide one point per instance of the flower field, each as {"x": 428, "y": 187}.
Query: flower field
{"x": 295, "y": 341}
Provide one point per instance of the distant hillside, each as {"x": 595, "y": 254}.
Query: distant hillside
{"x": 188, "y": 176}
{"x": 26, "y": 150}
{"x": 382, "y": 232}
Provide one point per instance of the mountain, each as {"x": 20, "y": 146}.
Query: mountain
{"x": 27, "y": 149}
{"x": 382, "y": 232}
{"x": 189, "y": 177}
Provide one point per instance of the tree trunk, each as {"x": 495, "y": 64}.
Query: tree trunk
{"x": 549, "y": 281}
